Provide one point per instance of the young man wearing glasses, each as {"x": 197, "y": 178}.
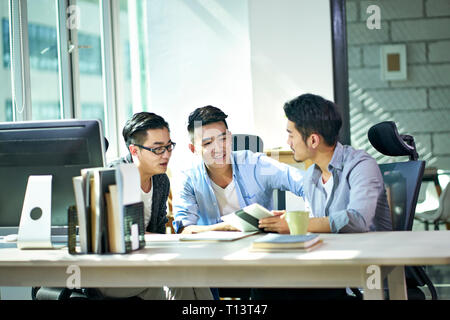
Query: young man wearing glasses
{"x": 147, "y": 137}
{"x": 224, "y": 181}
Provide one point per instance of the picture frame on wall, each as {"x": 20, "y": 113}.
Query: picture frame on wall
{"x": 393, "y": 62}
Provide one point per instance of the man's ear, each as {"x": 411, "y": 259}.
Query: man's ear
{"x": 315, "y": 140}
{"x": 191, "y": 147}
{"x": 133, "y": 150}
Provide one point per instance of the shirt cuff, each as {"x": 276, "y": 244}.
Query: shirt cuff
{"x": 177, "y": 225}
{"x": 347, "y": 221}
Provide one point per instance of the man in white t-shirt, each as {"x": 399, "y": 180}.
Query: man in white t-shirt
{"x": 224, "y": 181}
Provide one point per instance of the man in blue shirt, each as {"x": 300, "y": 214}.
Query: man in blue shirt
{"x": 344, "y": 187}
{"x": 225, "y": 181}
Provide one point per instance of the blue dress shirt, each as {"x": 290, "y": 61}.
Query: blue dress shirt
{"x": 255, "y": 176}
{"x": 358, "y": 201}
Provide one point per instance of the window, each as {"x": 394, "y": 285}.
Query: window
{"x": 91, "y": 95}
{"x": 132, "y": 74}
{"x": 6, "y": 111}
{"x": 43, "y": 55}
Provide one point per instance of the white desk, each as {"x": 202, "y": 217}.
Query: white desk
{"x": 341, "y": 261}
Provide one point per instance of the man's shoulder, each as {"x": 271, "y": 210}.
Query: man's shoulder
{"x": 161, "y": 182}
{"x": 246, "y": 157}
{"x": 192, "y": 170}
{"x": 161, "y": 178}
{"x": 355, "y": 156}
{"x": 359, "y": 162}
{"x": 126, "y": 159}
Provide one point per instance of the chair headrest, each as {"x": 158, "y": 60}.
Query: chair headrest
{"x": 385, "y": 138}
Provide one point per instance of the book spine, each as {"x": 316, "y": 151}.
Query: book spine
{"x": 134, "y": 232}
{"x": 72, "y": 229}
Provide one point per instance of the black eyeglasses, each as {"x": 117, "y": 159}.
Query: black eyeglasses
{"x": 159, "y": 150}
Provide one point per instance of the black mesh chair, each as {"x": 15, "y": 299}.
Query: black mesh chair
{"x": 47, "y": 293}
{"x": 402, "y": 181}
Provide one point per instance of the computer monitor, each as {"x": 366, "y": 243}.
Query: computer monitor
{"x": 60, "y": 148}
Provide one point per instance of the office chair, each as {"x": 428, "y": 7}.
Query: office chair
{"x": 247, "y": 142}
{"x": 255, "y": 144}
{"x": 402, "y": 181}
{"x": 439, "y": 216}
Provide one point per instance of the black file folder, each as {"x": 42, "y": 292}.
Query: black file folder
{"x": 134, "y": 227}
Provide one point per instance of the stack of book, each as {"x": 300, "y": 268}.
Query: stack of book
{"x": 286, "y": 242}
{"x": 109, "y": 210}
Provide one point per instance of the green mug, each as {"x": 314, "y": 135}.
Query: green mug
{"x": 297, "y": 221}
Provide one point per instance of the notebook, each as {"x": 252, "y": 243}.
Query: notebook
{"x": 285, "y": 241}
{"x": 246, "y": 219}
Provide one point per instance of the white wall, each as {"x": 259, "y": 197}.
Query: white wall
{"x": 199, "y": 55}
{"x": 291, "y": 54}
{"x": 245, "y": 57}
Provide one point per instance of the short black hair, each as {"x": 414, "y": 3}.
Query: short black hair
{"x": 314, "y": 114}
{"x": 135, "y": 130}
{"x": 206, "y": 115}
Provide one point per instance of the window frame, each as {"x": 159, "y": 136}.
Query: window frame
{"x": 340, "y": 65}
{"x": 20, "y": 60}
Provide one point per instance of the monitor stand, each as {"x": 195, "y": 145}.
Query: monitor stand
{"x": 35, "y": 221}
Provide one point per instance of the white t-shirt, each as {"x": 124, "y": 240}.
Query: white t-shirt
{"x": 147, "y": 198}
{"x": 226, "y": 198}
{"x": 328, "y": 186}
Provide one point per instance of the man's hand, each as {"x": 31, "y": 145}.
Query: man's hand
{"x": 223, "y": 226}
{"x": 194, "y": 229}
{"x": 277, "y": 223}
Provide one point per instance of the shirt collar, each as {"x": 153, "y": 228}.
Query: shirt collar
{"x": 337, "y": 159}
{"x": 336, "y": 162}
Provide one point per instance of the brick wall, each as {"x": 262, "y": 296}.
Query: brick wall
{"x": 419, "y": 105}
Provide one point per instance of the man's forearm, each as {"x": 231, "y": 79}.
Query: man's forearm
{"x": 319, "y": 225}
{"x": 194, "y": 229}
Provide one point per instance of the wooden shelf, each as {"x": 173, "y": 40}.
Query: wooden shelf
{"x": 285, "y": 156}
